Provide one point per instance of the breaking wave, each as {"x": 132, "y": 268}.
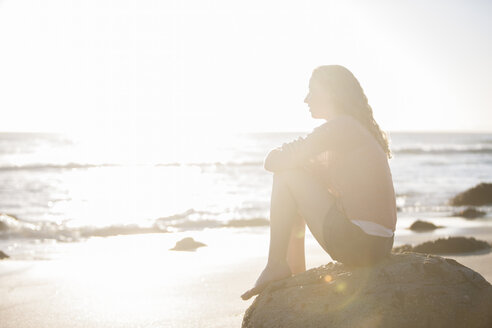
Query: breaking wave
{"x": 12, "y": 227}
{"x": 443, "y": 150}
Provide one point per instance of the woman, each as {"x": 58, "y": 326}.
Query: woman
{"x": 337, "y": 180}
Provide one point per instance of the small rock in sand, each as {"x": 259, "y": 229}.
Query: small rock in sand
{"x": 187, "y": 244}
{"x": 3, "y": 255}
{"x": 470, "y": 213}
{"x": 450, "y": 245}
{"x": 423, "y": 226}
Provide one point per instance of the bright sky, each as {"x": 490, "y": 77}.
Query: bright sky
{"x": 157, "y": 66}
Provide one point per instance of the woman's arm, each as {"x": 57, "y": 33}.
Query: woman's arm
{"x": 334, "y": 135}
{"x": 287, "y": 156}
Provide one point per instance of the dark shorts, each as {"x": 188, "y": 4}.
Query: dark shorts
{"x": 346, "y": 242}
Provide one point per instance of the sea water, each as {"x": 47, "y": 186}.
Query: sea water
{"x": 62, "y": 188}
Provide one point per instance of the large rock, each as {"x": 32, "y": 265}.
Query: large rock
{"x": 406, "y": 290}
{"x": 3, "y": 255}
{"x": 481, "y": 194}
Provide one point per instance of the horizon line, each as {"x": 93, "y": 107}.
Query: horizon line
{"x": 281, "y": 131}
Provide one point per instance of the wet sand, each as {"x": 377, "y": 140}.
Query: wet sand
{"x": 136, "y": 281}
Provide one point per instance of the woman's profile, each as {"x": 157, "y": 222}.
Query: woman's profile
{"x": 337, "y": 180}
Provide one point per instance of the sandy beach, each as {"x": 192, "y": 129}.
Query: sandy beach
{"x": 130, "y": 128}
{"x": 136, "y": 281}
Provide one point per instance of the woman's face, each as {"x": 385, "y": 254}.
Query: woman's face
{"x": 321, "y": 105}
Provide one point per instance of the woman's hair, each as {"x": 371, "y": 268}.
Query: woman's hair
{"x": 350, "y": 99}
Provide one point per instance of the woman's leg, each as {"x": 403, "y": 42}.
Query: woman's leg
{"x": 301, "y": 194}
{"x": 296, "y": 257}
{"x": 284, "y": 219}
{"x": 295, "y": 193}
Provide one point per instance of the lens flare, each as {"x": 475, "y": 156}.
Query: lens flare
{"x": 341, "y": 286}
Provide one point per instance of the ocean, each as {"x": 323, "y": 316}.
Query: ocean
{"x": 58, "y": 188}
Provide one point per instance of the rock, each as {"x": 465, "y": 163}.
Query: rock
{"x": 423, "y": 226}
{"x": 3, "y": 255}
{"x": 481, "y": 194}
{"x": 402, "y": 248}
{"x": 406, "y": 290}
{"x": 450, "y": 245}
{"x": 187, "y": 244}
{"x": 470, "y": 213}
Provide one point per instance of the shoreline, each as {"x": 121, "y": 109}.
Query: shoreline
{"x": 135, "y": 280}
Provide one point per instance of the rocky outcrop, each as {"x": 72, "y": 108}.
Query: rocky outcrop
{"x": 3, "y": 255}
{"x": 479, "y": 195}
{"x": 470, "y": 213}
{"x": 450, "y": 245}
{"x": 187, "y": 244}
{"x": 423, "y": 226}
{"x": 405, "y": 290}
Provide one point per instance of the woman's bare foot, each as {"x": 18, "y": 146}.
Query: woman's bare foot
{"x": 271, "y": 273}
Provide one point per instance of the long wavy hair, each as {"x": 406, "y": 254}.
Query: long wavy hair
{"x": 350, "y": 99}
